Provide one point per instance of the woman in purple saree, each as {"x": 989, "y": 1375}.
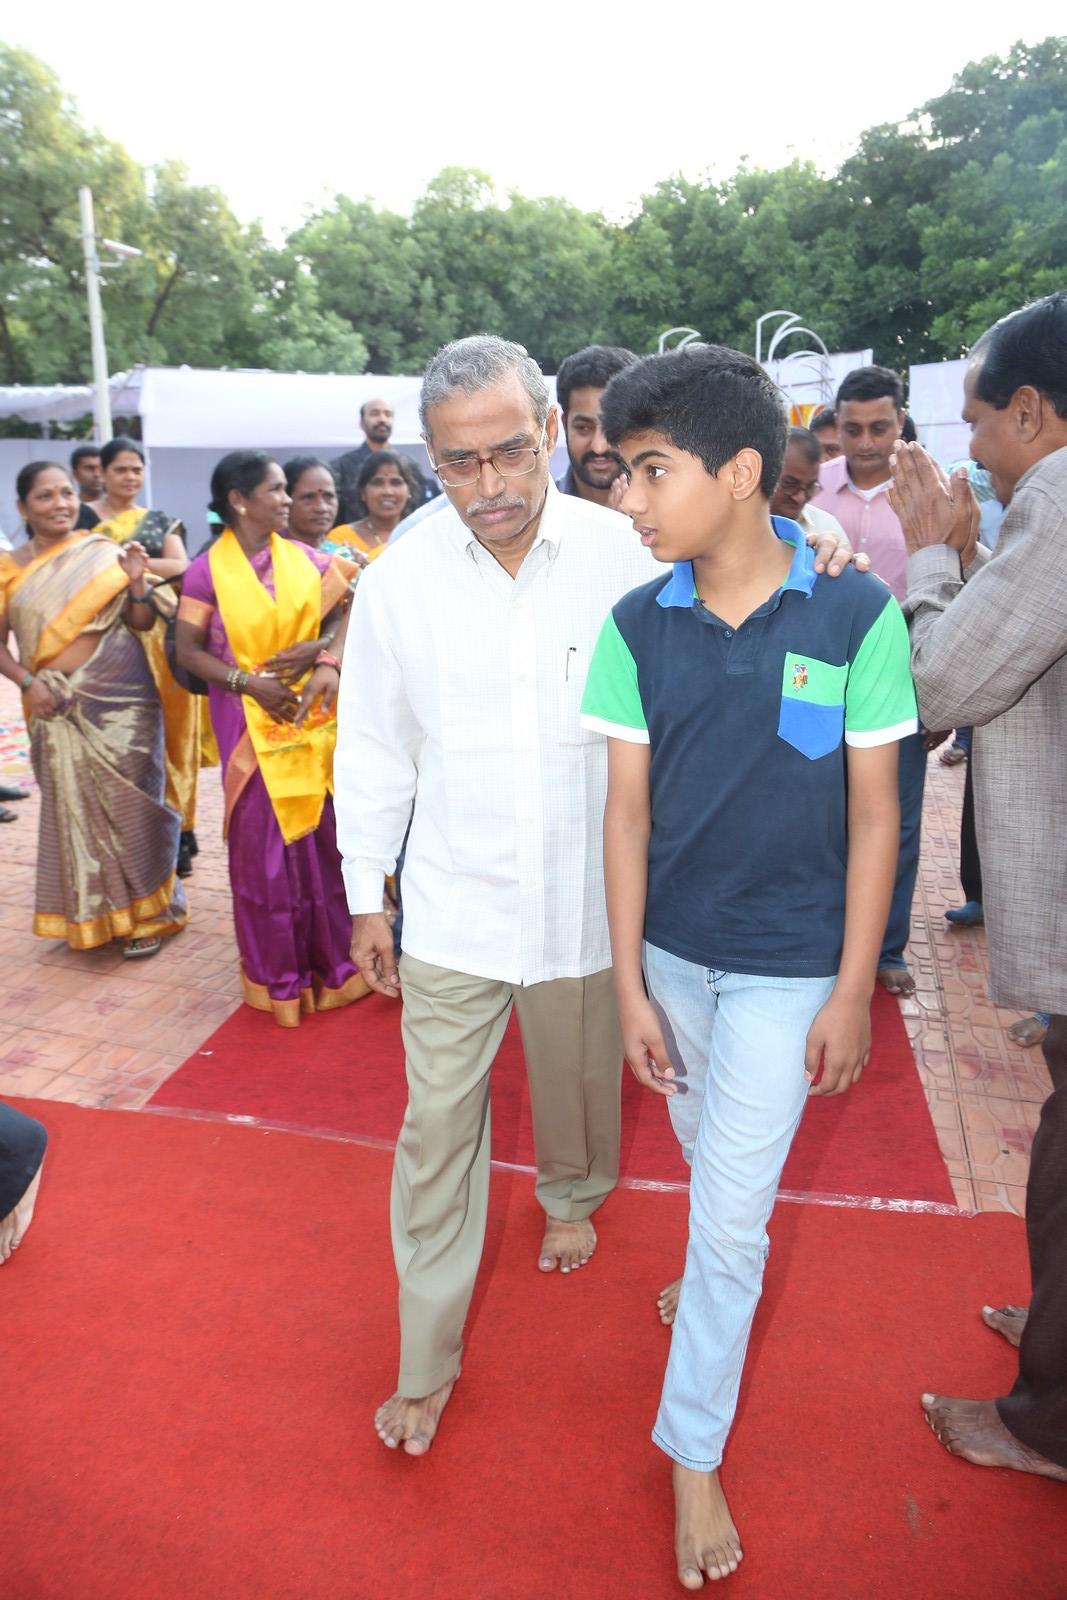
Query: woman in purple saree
{"x": 258, "y": 621}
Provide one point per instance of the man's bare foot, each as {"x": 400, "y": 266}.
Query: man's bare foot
{"x": 898, "y": 980}
{"x": 13, "y": 1226}
{"x": 412, "y": 1423}
{"x": 973, "y": 1429}
{"x": 1008, "y": 1320}
{"x": 568, "y": 1243}
{"x": 667, "y": 1304}
{"x": 1030, "y": 1031}
{"x": 705, "y": 1539}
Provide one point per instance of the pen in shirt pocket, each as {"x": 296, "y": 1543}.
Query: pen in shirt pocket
{"x": 572, "y": 651}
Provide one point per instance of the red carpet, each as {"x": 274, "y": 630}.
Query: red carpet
{"x": 343, "y": 1072}
{"x": 201, "y": 1322}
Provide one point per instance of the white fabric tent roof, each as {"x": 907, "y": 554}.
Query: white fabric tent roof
{"x": 187, "y": 406}
{"x": 65, "y": 402}
{"x": 190, "y": 407}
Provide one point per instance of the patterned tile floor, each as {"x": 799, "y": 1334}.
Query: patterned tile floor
{"x": 96, "y": 1030}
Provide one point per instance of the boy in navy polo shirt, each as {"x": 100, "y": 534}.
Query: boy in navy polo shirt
{"x": 753, "y": 711}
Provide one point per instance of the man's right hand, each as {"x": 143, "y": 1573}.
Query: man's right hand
{"x": 374, "y": 953}
{"x": 644, "y": 1047}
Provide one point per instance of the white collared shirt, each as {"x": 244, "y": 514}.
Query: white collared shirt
{"x": 814, "y": 520}
{"x": 460, "y": 692}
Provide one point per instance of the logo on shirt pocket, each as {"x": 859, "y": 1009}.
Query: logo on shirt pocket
{"x": 812, "y": 717}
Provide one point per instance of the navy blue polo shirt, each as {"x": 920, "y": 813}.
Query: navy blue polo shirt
{"x": 748, "y": 729}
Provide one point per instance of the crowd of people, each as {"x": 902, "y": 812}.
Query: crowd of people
{"x": 574, "y": 715}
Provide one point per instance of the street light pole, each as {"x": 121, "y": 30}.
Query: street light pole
{"x": 101, "y": 391}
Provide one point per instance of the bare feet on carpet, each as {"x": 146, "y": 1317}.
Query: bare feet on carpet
{"x": 706, "y": 1543}
{"x": 412, "y": 1423}
{"x": 1008, "y": 1320}
{"x": 667, "y": 1303}
{"x": 13, "y": 1226}
{"x": 898, "y": 980}
{"x": 566, "y": 1244}
{"x": 973, "y": 1429}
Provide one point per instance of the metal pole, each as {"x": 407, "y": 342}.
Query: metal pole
{"x": 101, "y": 392}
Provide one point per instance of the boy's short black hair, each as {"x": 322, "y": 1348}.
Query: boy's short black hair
{"x": 706, "y": 399}
{"x": 872, "y": 383}
{"x": 591, "y": 368}
{"x": 83, "y": 453}
{"x": 826, "y": 418}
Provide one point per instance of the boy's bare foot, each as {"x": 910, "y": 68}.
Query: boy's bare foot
{"x": 412, "y": 1423}
{"x": 667, "y": 1303}
{"x": 1008, "y": 1320}
{"x": 13, "y": 1226}
{"x": 705, "y": 1539}
{"x": 973, "y": 1429}
{"x": 568, "y": 1243}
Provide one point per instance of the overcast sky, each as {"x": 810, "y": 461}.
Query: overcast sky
{"x": 284, "y": 105}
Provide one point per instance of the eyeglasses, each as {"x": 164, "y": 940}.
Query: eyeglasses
{"x": 793, "y": 486}
{"x": 513, "y": 461}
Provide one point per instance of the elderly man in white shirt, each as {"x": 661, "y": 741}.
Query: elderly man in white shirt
{"x": 799, "y": 481}
{"x": 468, "y": 647}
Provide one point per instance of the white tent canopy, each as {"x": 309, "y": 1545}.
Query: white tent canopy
{"x": 200, "y": 408}
{"x": 197, "y": 408}
{"x": 187, "y": 407}
{"x": 66, "y": 402}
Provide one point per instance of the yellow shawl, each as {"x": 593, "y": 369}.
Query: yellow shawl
{"x": 296, "y": 763}
{"x": 69, "y": 590}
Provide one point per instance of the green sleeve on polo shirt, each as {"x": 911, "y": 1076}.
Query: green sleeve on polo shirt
{"x": 879, "y": 695}
{"x": 612, "y": 700}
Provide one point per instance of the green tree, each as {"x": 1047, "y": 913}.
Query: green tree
{"x": 931, "y": 229}
{"x": 45, "y": 155}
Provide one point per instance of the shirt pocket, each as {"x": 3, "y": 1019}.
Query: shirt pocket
{"x": 812, "y": 714}
{"x": 574, "y": 669}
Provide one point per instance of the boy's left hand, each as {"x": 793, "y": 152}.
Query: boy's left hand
{"x": 840, "y": 1041}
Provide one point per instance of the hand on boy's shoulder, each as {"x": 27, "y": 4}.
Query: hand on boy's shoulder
{"x": 834, "y": 555}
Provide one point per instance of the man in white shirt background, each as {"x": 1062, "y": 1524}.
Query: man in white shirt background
{"x": 473, "y": 640}
{"x": 799, "y": 482}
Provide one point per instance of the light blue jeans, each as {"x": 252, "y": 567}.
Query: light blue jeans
{"x": 737, "y": 1046}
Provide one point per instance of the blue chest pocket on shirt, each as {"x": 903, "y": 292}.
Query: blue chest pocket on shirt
{"x": 812, "y": 717}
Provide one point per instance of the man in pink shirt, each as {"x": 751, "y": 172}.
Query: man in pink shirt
{"x": 854, "y": 489}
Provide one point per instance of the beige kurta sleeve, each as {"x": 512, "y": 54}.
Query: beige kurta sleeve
{"x": 977, "y": 646}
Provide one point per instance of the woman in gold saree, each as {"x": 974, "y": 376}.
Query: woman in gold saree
{"x": 163, "y": 537}
{"x": 108, "y": 841}
{"x": 260, "y": 621}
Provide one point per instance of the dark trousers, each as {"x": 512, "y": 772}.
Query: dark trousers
{"x": 911, "y": 782}
{"x": 1036, "y": 1410}
{"x": 22, "y": 1144}
{"x": 970, "y": 863}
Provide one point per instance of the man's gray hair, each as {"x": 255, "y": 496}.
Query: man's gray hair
{"x": 467, "y": 366}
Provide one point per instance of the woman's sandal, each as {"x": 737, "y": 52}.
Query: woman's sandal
{"x": 140, "y": 949}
